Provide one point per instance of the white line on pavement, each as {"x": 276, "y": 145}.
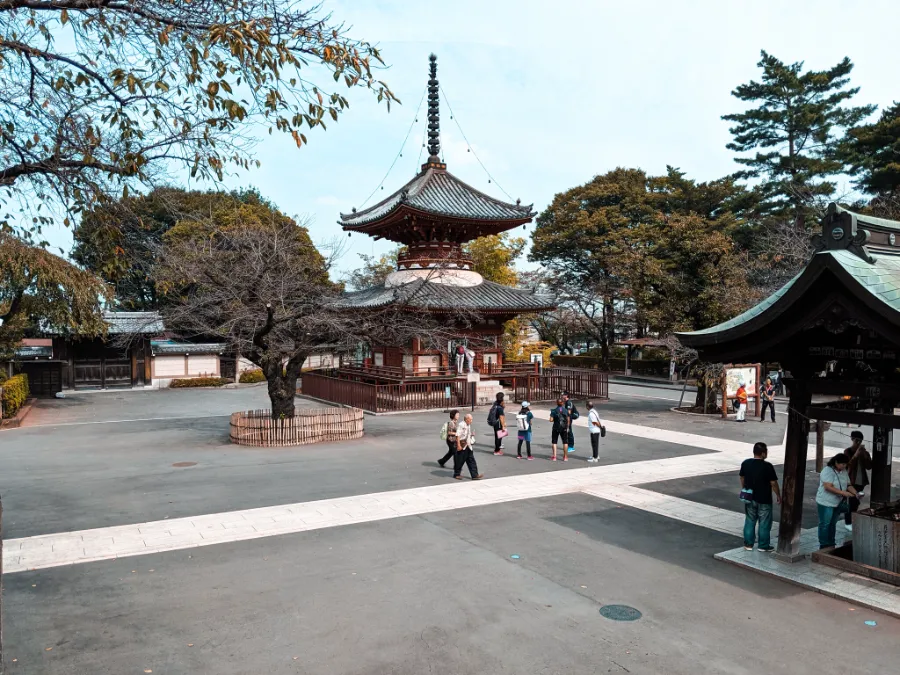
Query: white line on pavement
{"x": 137, "y": 419}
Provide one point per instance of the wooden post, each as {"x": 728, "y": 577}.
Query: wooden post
{"x": 881, "y": 457}
{"x": 795, "y": 445}
{"x": 820, "y": 445}
{"x": 759, "y": 386}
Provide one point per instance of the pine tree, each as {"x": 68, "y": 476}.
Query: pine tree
{"x": 873, "y": 153}
{"x": 795, "y": 132}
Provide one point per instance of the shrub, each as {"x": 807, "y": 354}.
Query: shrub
{"x": 252, "y": 376}
{"x": 199, "y": 382}
{"x": 15, "y": 393}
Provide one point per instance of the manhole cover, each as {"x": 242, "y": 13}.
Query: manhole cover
{"x": 620, "y": 613}
{"x": 183, "y": 464}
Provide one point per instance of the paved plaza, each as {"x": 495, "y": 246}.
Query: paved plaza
{"x": 138, "y": 539}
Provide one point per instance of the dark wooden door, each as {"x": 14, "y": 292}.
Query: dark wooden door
{"x": 44, "y": 378}
{"x": 117, "y": 372}
{"x": 88, "y": 373}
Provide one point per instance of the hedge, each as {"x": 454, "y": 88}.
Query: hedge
{"x": 15, "y": 393}
{"x": 199, "y": 382}
{"x": 252, "y": 376}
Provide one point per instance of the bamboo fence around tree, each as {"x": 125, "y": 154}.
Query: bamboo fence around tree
{"x": 308, "y": 425}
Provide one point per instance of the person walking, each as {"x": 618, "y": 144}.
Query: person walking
{"x": 465, "y": 439}
{"x": 758, "y": 483}
{"x": 779, "y": 382}
{"x": 523, "y": 424}
{"x": 831, "y": 497}
{"x": 500, "y": 431}
{"x": 450, "y": 436}
{"x": 595, "y": 427}
{"x": 560, "y": 418}
{"x": 741, "y": 397}
{"x": 768, "y": 400}
{"x": 860, "y": 463}
{"x": 460, "y": 358}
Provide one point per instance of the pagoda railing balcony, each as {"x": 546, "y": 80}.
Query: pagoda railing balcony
{"x": 429, "y": 259}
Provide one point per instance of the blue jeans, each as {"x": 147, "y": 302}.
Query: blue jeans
{"x": 758, "y": 512}
{"x": 828, "y": 520}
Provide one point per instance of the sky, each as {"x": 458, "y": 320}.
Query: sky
{"x": 551, "y": 94}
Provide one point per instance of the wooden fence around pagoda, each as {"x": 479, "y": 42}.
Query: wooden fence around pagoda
{"x": 308, "y": 425}
{"x": 377, "y": 394}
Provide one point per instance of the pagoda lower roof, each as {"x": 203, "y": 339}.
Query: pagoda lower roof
{"x": 438, "y": 193}
{"x": 486, "y": 297}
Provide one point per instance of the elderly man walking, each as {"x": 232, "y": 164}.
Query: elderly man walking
{"x": 465, "y": 438}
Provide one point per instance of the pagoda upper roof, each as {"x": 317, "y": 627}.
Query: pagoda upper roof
{"x": 437, "y": 193}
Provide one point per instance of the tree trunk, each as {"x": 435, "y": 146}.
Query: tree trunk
{"x": 282, "y": 383}
{"x": 706, "y": 397}
{"x": 282, "y": 389}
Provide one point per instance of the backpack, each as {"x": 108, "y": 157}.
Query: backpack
{"x": 574, "y": 414}
{"x": 444, "y": 428}
{"x": 522, "y": 422}
{"x": 492, "y": 416}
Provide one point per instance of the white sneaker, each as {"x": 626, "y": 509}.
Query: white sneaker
{"x": 591, "y": 459}
{"x": 847, "y": 527}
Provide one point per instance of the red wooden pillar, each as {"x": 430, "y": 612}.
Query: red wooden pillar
{"x": 795, "y": 447}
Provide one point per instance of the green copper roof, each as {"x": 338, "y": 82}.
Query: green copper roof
{"x": 869, "y": 220}
{"x": 880, "y": 279}
{"x": 870, "y": 276}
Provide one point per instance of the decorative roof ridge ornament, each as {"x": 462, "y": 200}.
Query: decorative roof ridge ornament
{"x": 434, "y": 118}
{"x": 840, "y": 233}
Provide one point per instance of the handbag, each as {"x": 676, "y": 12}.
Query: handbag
{"x": 502, "y": 433}
{"x": 602, "y": 431}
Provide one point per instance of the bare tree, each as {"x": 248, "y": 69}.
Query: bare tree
{"x": 257, "y": 282}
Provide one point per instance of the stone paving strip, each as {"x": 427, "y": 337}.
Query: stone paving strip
{"x": 53, "y": 550}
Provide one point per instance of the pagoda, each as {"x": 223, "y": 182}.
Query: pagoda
{"x": 432, "y": 217}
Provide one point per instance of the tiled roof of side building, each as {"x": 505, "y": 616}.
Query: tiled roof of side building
{"x": 160, "y": 348}
{"x": 439, "y": 192}
{"x": 134, "y": 322}
{"x": 486, "y": 296}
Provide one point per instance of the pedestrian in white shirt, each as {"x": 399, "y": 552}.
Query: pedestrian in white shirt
{"x": 464, "y": 455}
{"x": 595, "y": 426}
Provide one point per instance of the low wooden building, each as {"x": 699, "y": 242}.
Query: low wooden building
{"x": 134, "y": 354}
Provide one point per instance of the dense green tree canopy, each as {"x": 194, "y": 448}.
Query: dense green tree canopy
{"x": 41, "y": 290}
{"x": 794, "y": 131}
{"x": 99, "y": 97}
{"x": 651, "y": 253}
{"x": 120, "y": 240}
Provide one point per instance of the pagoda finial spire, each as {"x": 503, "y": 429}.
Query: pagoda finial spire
{"x": 434, "y": 114}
